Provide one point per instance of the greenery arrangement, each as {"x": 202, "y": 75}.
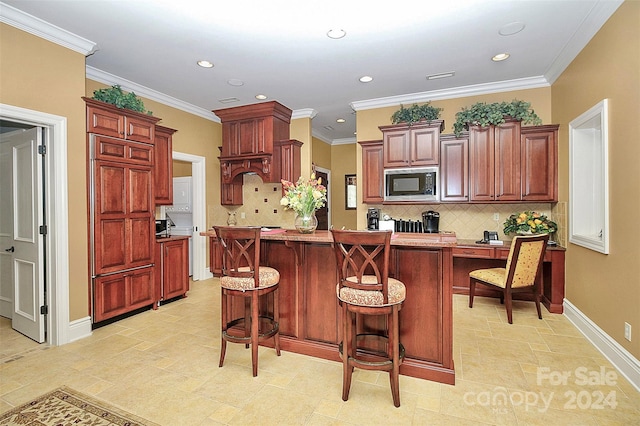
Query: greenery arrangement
{"x": 114, "y": 95}
{"x": 529, "y": 222}
{"x": 305, "y": 196}
{"x": 483, "y": 114}
{"x": 416, "y": 113}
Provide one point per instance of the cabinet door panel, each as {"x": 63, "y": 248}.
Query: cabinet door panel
{"x": 110, "y": 245}
{"x": 110, "y": 187}
{"x": 425, "y": 147}
{"x": 175, "y": 268}
{"x": 141, "y": 240}
{"x": 454, "y": 170}
{"x": 110, "y": 297}
{"x": 105, "y": 122}
{"x": 539, "y": 165}
{"x": 422, "y": 314}
{"x": 507, "y": 161}
{"x": 140, "y": 288}
{"x": 139, "y": 130}
{"x": 140, "y": 191}
{"x": 481, "y": 164}
{"x": 396, "y": 149}
{"x": 163, "y": 166}
{"x": 372, "y": 173}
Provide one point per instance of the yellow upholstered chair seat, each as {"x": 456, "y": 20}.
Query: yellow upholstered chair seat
{"x": 493, "y": 276}
{"x": 397, "y": 293}
{"x": 268, "y": 277}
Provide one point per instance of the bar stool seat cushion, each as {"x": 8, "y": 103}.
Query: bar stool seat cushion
{"x": 397, "y": 293}
{"x": 268, "y": 278}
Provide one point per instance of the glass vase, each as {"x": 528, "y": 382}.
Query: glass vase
{"x": 306, "y": 223}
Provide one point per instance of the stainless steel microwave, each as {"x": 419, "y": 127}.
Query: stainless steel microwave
{"x": 415, "y": 184}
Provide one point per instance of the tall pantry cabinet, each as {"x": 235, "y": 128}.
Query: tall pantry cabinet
{"x": 121, "y": 209}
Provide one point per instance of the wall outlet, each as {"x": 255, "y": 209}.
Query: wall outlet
{"x": 627, "y": 331}
{"x": 496, "y": 217}
{"x": 243, "y": 215}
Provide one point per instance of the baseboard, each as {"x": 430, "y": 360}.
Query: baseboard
{"x": 621, "y": 359}
{"x": 79, "y": 329}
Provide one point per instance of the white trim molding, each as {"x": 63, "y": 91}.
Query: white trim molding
{"x": 79, "y": 329}
{"x": 621, "y": 359}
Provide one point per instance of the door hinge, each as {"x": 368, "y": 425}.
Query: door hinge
{"x": 43, "y": 230}
{"x": 42, "y": 149}
{"x": 44, "y": 310}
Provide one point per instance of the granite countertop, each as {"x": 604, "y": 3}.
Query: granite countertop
{"x": 171, "y": 238}
{"x": 443, "y": 239}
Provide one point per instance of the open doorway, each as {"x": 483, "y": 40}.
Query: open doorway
{"x": 54, "y": 192}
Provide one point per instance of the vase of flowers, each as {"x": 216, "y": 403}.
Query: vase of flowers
{"x": 529, "y": 222}
{"x": 304, "y": 198}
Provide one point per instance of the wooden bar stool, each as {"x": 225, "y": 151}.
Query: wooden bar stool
{"x": 364, "y": 288}
{"x": 243, "y": 277}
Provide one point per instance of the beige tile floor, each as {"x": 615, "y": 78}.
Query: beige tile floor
{"x": 162, "y": 365}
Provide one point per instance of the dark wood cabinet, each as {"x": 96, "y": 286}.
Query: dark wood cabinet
{"x": 215, "y": 257}
{"x": 454, "y": 168}
{"x": 119, "y": 123}
{"x": 121, "y": 205}
{"x": 372, "y": 172}
{"x": 412, "y": 146}
{"x": 172, "y": 268}
{"x": 163, "y": 165}
{"x": 539, "y": 164}
{"x": 494, "y": 162}
{"x": 509, "y": 163}
{"x": 286, "y": 160}
{"x": 120, "y": 293}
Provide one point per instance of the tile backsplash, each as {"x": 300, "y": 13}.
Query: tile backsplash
{"x": 262, "y": 208}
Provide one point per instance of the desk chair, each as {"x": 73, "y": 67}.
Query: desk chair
{"x": 523, "y": 266}
{"x": 244, "y": 278}
{"x": 364, "y": 288}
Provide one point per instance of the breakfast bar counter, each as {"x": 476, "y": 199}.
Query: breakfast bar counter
{"x": 309, "y": 310}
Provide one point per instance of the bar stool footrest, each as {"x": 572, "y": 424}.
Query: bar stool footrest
{"x": 273, "y": 328}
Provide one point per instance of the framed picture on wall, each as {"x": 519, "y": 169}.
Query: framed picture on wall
{"x": 350, "y": 194}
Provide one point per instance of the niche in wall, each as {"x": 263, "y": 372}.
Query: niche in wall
{"x": 589, "y": 179}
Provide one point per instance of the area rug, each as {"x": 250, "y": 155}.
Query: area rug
{"x": 65, "y": 406}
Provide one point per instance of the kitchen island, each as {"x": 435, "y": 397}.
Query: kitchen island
{"x": 309, "y": 310}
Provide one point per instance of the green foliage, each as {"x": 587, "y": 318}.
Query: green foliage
{"x": 483, "y": 114}
{"x": 416, "y": 113}
{"x": 114, "y": 95}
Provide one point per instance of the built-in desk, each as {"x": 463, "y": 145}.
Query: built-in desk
{"x": 468, "y": 256}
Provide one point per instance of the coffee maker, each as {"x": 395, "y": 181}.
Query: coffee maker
{"x": 373, "y": 217}
{"x": 430, "y": 221}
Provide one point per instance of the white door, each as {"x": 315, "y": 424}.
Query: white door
{"x": 21, "y": 244}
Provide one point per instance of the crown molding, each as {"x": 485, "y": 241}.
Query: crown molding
{"x": 596, "y": 18}
{"x": 110, "y": 79}
{"x": 303, "y": 113}
{"x": 36, "y": 26}
{"x": 455, "y": 92}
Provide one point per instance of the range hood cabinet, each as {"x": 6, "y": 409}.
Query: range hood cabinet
{"x": 250, "y": 134}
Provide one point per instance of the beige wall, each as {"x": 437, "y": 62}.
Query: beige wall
{"x": 42, "y": 76}
{"x": 606, "y": 288}
{"x": 321, "y": 153}
{"x": 343, "y": 162}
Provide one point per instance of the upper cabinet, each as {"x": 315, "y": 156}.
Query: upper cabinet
{"x": 104, "y": 119}
{"x": 372, "y": 175}
{"x": 508, "y": 163}
{"x": 163, "y": 165}
{"x": 255, "y": 138}
{"x": 454, "y": 168}
{"x": 412, "y": 145}
{"x": 539, "y": 164}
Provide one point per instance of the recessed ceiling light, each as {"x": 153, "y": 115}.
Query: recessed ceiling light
{"x": 205, "y": 64}
{"x": 511, "y": 29}
{"x": 261, "y": 97}
{"x": 441, "y": 75}
{"x": 366, "y": 79}
{"x": 235, "y": 82}
{"x": 340, "y": 120}
{"x": 500, "y": 57}
{"x": 336, "y": 34}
